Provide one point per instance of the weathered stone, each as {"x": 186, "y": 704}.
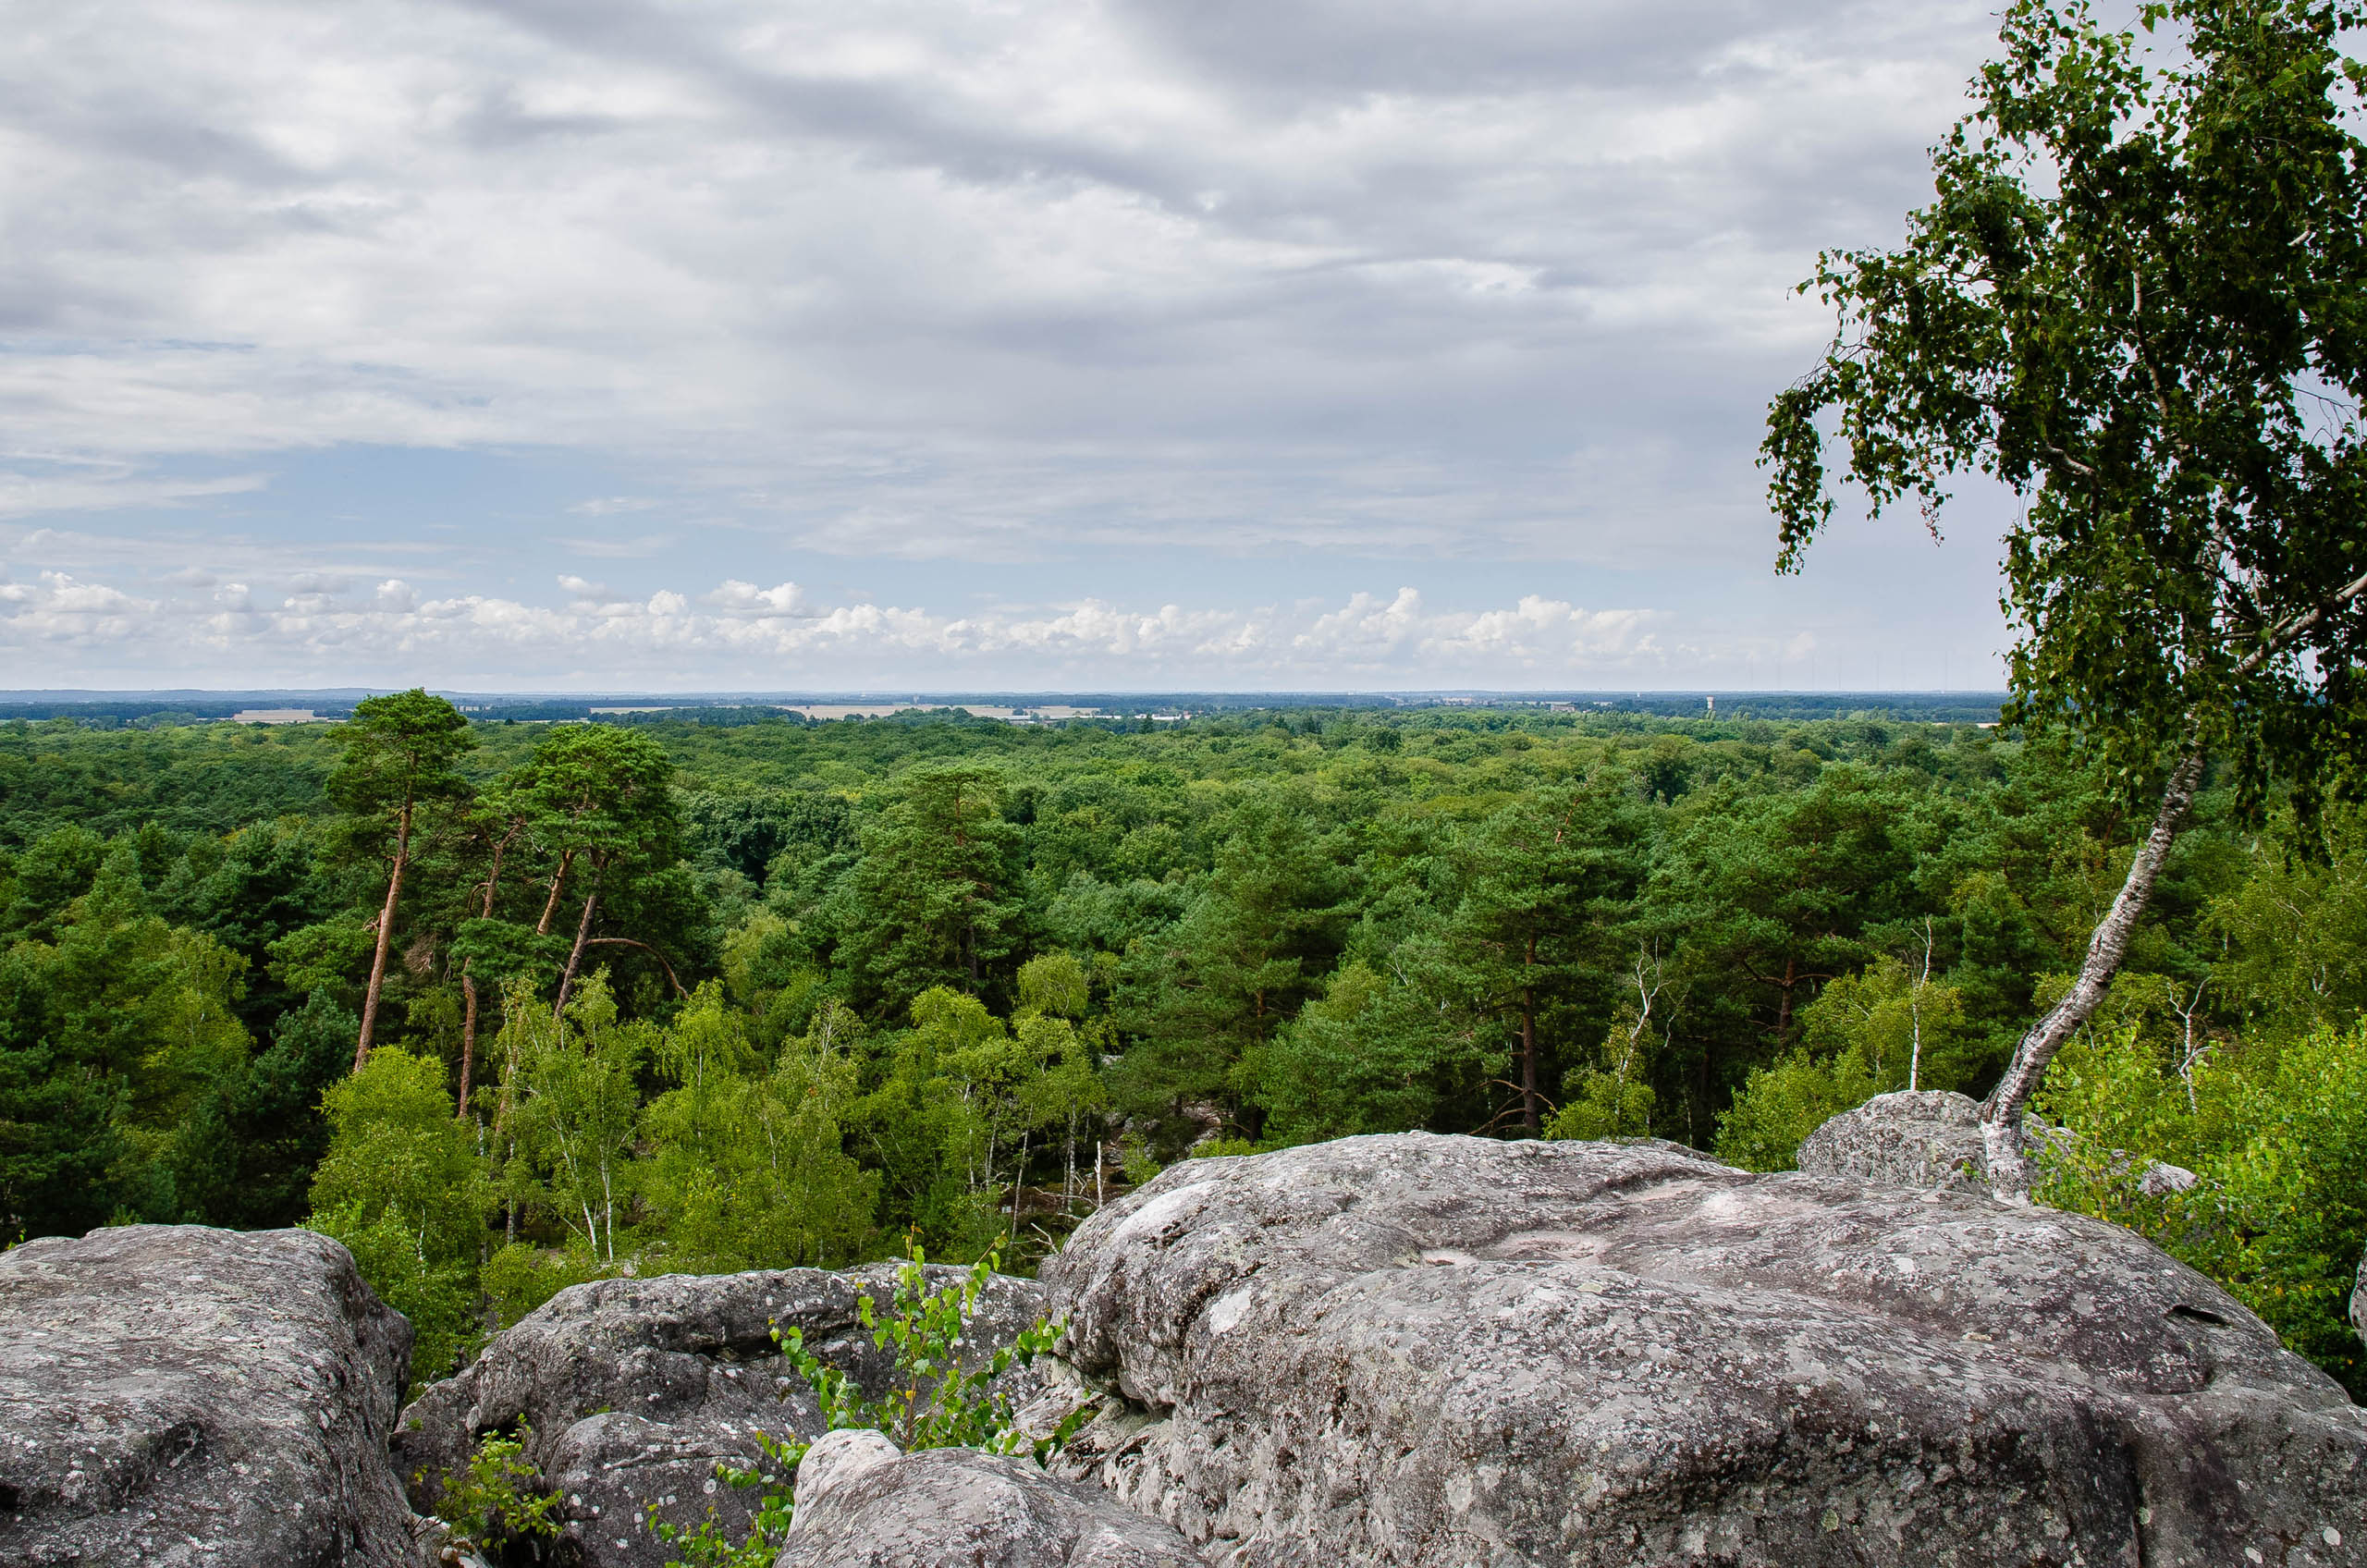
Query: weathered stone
{"x": 1931, "y": 1138}
{"x": 635, "y": 1389}
{"x": 1457, "y": 1351}
{"x": 173, "y": 1395}
{"x": 861, "y": 1504}
{"x": 2358, "y": 1301}
{"x": 1912, "y": 1138}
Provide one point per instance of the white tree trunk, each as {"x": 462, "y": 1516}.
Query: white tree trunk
{"x": 2001, "y": 1118}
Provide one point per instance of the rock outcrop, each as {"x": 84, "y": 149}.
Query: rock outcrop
{"x": 1911, "y": 1138}
{"x": 634, "y": 1389}
{"x": 173, "y": 1395}
{"x": 1931, "y": 1138}
{"x": 862, "y": 1504}
{"x": 1452, "y": 1351}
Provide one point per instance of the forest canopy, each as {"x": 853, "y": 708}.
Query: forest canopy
{"x": 830, "y": 988}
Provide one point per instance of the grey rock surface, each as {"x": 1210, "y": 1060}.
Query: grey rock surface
{"x": 634, "y": 1389}
{"x": 1458, "y": 1352}
{"x": 175, "y": 1394}
{"x": 1931, "y": 1138}
{"x": 2358, "y": 1301}
{"x": 1910, "y": 1138}
{"x": 861, "y": 1504}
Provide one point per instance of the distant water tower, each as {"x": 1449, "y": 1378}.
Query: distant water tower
{"x": 1713, "y": 707}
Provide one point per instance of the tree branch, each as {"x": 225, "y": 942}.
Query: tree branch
{"x": 645, "y": 947}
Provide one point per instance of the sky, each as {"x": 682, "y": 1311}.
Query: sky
{"x": 1026, "y": 345}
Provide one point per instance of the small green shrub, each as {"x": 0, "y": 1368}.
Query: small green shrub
{"x": 709, "y": 1545}
{"x": 932, "y": 1402}
{"x": 496, "y": 1500}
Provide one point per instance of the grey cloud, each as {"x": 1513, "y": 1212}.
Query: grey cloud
{"x": 1498, "y": 279}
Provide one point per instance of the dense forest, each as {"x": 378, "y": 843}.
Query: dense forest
{"x": 506, "y": 1005}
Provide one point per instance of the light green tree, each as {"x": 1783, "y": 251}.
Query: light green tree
{"x": 748, "y": 1170}
{"x": 402, "y": 1187}
{"x": 1890, "y": 1027}
{"x": 577, "y": 1112}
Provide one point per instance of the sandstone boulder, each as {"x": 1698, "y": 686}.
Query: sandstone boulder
{"x": 173, "y": 1395}
{"x": 1911, "y": 1138}
{"x": 1456, "y": 1352}
{"x": 861, "y": 1504}
{"x": 1931, "y": 1138}
{"x": 634, "y": 1389}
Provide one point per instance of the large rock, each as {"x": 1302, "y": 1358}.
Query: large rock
{"x": 861, "y": 1504}
{"x": 173, "y": 1394}
{"x": 1459, "y": 1351}
{"x": 1911, "y": 1138}
{"x": 635, "y": 1389}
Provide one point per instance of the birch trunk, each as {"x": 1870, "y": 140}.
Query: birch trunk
{"x": 2001, "y": 1116}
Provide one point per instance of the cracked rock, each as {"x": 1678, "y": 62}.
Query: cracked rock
{"x": 1452, "y": 1351}
{"x": 174, "y": 1395}
{"x": 634, "y": 1389}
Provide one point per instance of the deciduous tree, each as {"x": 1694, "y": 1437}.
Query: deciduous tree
{"x": 2140, "y": 301}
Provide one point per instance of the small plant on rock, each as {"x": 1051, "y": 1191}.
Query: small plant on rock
{"x": 495, "y": 1501}
{"x": 933, "y": 1400}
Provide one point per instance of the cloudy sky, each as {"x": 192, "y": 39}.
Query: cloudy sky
{"x": 1009, "y": 343}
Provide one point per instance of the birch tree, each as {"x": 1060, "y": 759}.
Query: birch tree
{"x": 2140, "y": 301}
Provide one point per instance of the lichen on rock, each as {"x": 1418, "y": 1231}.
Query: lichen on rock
{"x": 1451, "y": 1351}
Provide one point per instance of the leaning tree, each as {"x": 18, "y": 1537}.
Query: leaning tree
{"x": 2140, "y": 301}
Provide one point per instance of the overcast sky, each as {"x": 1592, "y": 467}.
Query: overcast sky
{"x": 1018, "y": 344}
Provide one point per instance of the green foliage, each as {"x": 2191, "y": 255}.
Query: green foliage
{"x": 1270, "y": 932}
{"x": 930, "y": 903}
{"x": 498, "y": 1500}
{"x": 2135, "y": 302}
{"x": 2276, "y": 1134}
{"x": 402, "y": 1186}
{"x": 1783, "y": 1103}
{"x": 574, "y": 1083}
{"x": 326, "y": 956}
{"x": 748, "y": 1170}
{"x": 398, "y": 750}
{"x": 1374, "y": 1054}
{"x": 521, "y": 1276}
{"x": 936, "y": 1397}
{"x": 708, "y": 1545}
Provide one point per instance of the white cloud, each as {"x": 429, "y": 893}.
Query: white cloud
{"x": 746, "y": 599}
{"x": 61, "y": 611}
{"x": 1152, "y": 318}
{"x": 738, "y": 635}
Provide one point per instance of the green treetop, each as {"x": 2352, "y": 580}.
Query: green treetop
{"x": 398, "y": 751}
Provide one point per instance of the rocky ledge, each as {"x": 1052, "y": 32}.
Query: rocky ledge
{"x": 1452, "y": 1351}
{"x": 1410, "y": 1350}
{"x": 632, "y": 1390}
{"x": 172, "y": 1394}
